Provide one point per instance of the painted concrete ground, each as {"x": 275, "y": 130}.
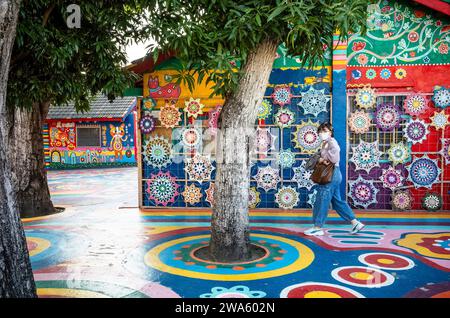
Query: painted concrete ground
{"x": 103, "y": 246}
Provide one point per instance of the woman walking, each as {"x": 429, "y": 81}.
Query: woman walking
{"x": 330, "y": 193}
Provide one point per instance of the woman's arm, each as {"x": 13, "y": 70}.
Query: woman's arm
{"x": 332, "y": 152}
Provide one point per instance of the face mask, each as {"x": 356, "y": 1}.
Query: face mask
{"x": 325, "y": 135}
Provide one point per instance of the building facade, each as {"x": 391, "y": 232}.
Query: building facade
{"x": 387, "y": 94}
{"x": 103, "y": 137}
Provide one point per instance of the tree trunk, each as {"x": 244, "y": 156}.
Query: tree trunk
{"x": 230, "y": 234}
{"x": 29, "y": 161}
{"x": 16, "y": 276}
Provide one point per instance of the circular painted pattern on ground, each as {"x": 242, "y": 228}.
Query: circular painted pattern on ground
{"x": 362, "y": 276}
{"x": 440, "y": 290}
{"x": 283, "y": 256}
{"x": 233, "y": 292}
{"x": 386, "y": 261}
{"x": 434, "y": 245}
{"x": 51, "y": 248}
{"x": 318, "y": 290}
{"x": 63, "y": 285}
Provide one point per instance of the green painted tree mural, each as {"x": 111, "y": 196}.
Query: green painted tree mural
{"x": 400, "y": 33}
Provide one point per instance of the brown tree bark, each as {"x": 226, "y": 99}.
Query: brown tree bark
{"x": 16, "y": 276}
{"x": 230, "y": 234}
{"x": 33, "y": 195}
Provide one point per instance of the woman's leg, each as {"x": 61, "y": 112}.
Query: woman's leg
{"x": 321, "y": 205}
{"x": 340, "y": 205}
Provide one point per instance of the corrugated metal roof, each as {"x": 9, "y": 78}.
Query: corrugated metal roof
{"x": 101, "y": 107}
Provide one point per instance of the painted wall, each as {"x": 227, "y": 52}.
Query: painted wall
{"x": 191, "y": 136}
{"x": 117, "y": 144}
{"x": 405, "y": 52}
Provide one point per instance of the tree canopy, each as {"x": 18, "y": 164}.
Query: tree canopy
{"x": 52, "y": 62}
{"x": 219, "y": 34}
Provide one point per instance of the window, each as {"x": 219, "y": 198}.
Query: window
{"x": 88, "y": 136}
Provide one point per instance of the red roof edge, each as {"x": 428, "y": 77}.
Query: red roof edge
{"x": 436, "y": 5}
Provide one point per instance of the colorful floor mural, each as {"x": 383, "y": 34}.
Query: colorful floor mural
{"x": 103, "y": 246}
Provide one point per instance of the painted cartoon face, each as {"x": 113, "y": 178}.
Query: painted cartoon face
{"x": 153, "y": 82}
{"x": 117, "y": 131}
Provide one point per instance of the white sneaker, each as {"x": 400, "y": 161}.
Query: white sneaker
{"x": 358, "y": 227}
{"x": 314, "y": 232}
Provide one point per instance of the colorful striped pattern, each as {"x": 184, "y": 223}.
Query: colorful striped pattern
{"x": 46, "y": 137}
{"x": 339, "y": 53}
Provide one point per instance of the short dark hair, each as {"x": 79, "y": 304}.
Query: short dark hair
{"x": 326, "y": 125}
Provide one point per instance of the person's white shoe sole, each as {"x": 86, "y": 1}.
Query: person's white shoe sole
{"x": 358, "y": 228}
{"x": 315, "y": 233}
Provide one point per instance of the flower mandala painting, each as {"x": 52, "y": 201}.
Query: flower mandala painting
{"x": 366, "y": 156}
{"x": 359, "y": 122}
{"x": 365, "y": 97}
{"x": 399, "y": 153}
{"x": 284, "y": 118}
{"x": 286, "y": 158}
{"x": 287, "y": 198}
{"x": 303, "y": 176}
{"x": 213, "y": 117}
{"x": 148, "y": 104}
{"x": 441, "y": 97}
{"x": 314, "y": 101}
{"x": 157, "y": 152}
{"x": 363, "y": 192}
{"x": 169, "y": 116}
{"x": 267, "y": 178}
{"x": 391, "y": 178}
{"x": 387, "y": 116}
{"x": 264, "y": 109}
{"x": 416, "y": 131}
{"x": 281, "y": 95}
{"x": 415, "y": 105}
{"x": 445, "y": 151}
{"x": 193, "y": 107}
{"x": 192, "y": 194}
{"x": 424, "y": 172}
{"x": 210, "y": 194}
{"x": 162, "y": 188}
{"x": 253, "y": 198}
{"x": 147, "y": 124}
{"x": 265, "y": 141}
{"x": 191, "y": 137}
{"x": 432, "y": 201}
{"x": 439, "y": 120}
{"x": 199, "y": 168}
{"x": 401, "y": 200}
{"x": 306, "y": 138}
